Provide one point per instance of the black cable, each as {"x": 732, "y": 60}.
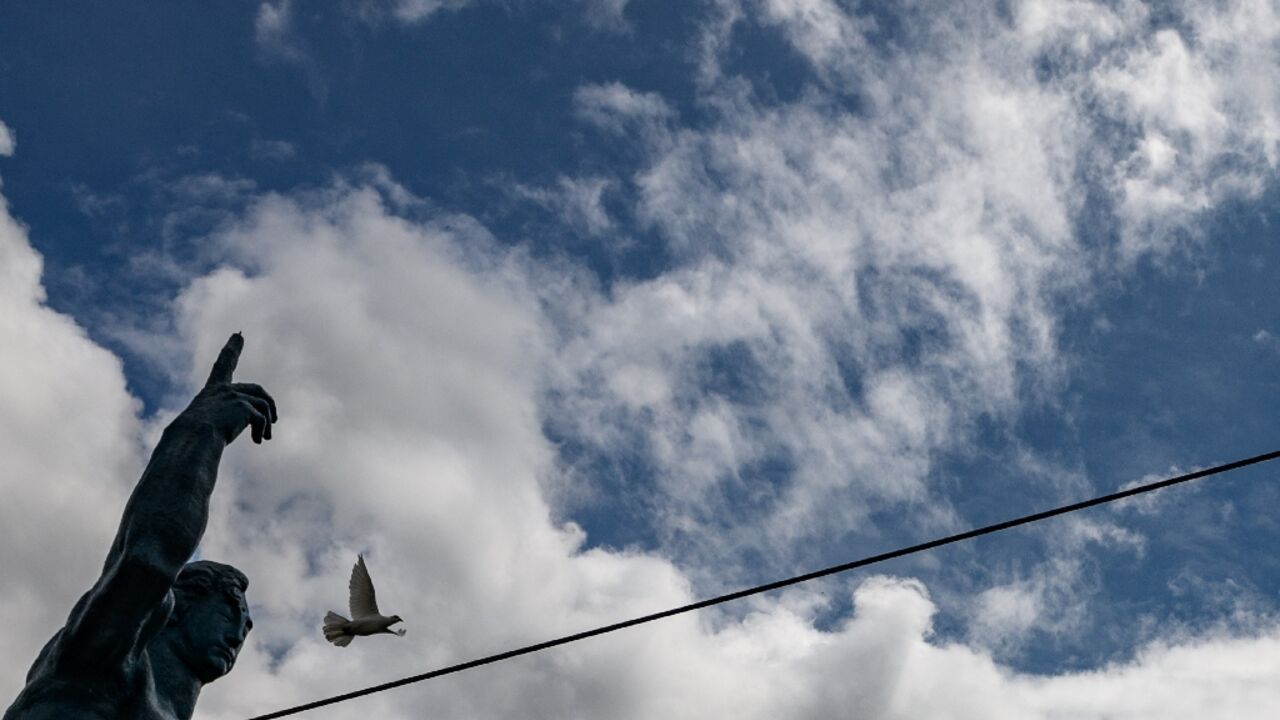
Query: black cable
{"x": 1137, "y": 490}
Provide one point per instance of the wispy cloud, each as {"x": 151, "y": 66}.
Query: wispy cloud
{"x": 871, "y": 278}
{"x": 618, "y": 108}
{"x": 7, "y": 142}
{"x": 277, "y": 38}
{"x": 576, "y": 202}
{"x": 849, "y": 288}
{"x": 415, "y": 11}
{"x": 277, "y": 150}
{"x": 407, "y": 357}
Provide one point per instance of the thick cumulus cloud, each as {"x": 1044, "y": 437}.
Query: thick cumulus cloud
{"x": 859, "y": 273}
{"x": 69, "y": 444}
{"x": 855, "y": 276}
{"x": 407, "y": 360}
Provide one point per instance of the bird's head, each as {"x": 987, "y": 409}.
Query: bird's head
{"x": 395, "y": 619}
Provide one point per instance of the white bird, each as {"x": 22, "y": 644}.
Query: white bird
{"x": 365, "y": 618}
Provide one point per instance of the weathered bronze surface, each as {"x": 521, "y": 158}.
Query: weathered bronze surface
{"x": 154, "y": 629}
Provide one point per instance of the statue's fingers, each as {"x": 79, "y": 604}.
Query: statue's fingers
{"x": 261, "y": 407}
{"x": 258, "y": 425}
{"x": 257, "y": 391}
{"x": 225, "y": 365}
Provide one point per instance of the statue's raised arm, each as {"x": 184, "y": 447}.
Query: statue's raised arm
{"x": 154, "y": 629}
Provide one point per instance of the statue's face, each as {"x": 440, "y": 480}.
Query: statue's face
{"x": 213, "y": 629}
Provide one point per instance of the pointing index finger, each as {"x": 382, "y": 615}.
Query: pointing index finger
{"x": 225, "y": 365}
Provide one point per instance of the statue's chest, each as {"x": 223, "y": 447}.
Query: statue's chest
{"x": 54, "y": 700}
{"x": 150, "y": 709}
{"x": 145, "y": 701}
{"x": 131, "y": 698}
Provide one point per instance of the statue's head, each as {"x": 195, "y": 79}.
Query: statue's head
{"x": 210, "y": 618}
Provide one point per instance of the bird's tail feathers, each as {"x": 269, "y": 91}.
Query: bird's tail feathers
{"x": 336, "y": 629}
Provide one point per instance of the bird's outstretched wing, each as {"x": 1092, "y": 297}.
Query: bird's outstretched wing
{"x": 363, "y": 601}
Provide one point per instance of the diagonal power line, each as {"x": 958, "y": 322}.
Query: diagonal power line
{"x": 834, "y": 569}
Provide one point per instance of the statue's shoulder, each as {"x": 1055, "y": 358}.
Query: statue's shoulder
{"x": 59, "y": 663}
{"x": 47, "y": 697}
{"x": 58, "y": 689}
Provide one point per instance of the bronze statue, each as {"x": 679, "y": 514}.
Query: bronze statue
{"x": 153, "y": 629}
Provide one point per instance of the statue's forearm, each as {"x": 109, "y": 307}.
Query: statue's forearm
{"x": 167, "y": 513}
{"x": 169, "y": 508}
{"x": 162, "y": 525}
{"x": 165, "y": 517}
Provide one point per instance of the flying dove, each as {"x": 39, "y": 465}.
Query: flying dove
{"x": 365, "y": 618}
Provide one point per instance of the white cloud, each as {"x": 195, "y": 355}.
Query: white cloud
{"x": 617, "y": 107}
{"x": 602, "y": 14}
{"x": 827, "y": 34}
{"x": 1204, "y": 128}
{"x": 406, "y": 359}
{"x": 7, "y": 142}
{"x": 278, "y": 150}
{"x": 921, "y": 242}
{"x": 407, "y": 362}
{"x": 808, "y": 239}
{"x": 924, "y": 240}
{"x": 577, "y": 202}
{"x": 273, "y": 25}
{"x": 1265, "y": 339}
{"x": 1203, "y": 124}
{"x": 419, "y": 10}
{"x": 1049, "y": 598}
{"x": 278, "y": 39}
{"x": 1006, "y": 611}
{"x": 69, "y": 446}
{"x": 607, "y": 14}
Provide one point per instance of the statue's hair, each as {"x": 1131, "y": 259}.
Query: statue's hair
{"x": 203, "y": 578}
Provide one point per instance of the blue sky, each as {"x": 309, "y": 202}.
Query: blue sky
{"x": 585, "y": 309}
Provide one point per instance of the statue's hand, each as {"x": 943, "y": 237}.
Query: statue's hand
{"x": 229, "y": 407}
